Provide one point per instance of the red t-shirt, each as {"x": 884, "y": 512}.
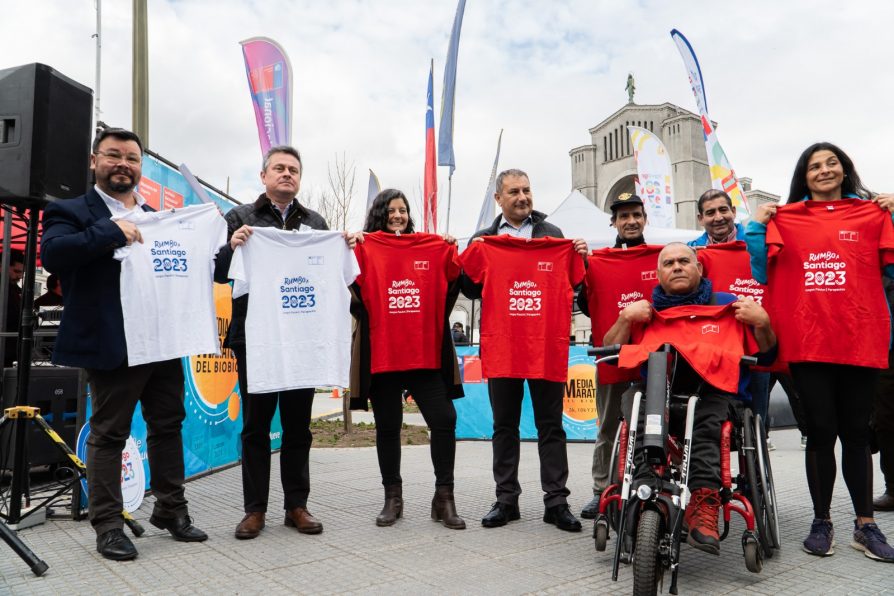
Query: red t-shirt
{"x": 728, "y": 266}
{"x": 616, "y": 278}
{"x": 826, "y": 260}
{"x": 709, "y": 338}
{"x": 528, "y": 286}
{"x": 403, "y": 282}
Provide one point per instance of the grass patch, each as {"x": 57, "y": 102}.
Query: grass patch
{"x": 331, "y": 433}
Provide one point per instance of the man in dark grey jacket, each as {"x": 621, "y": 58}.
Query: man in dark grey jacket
{"x": 518, "y": 218}
{"x": 276, "y": 207}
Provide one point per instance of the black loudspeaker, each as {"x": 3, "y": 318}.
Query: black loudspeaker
{"x": 57, "y": 391}
{"x": 45, "y": 135}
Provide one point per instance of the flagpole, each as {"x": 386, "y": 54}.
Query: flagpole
{"x": 449, "y": 195}
{"x": 98, "y": 36}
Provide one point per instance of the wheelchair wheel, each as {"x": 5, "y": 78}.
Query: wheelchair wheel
{"x": 755, "y": 493}
{"x": 647, "y": 569}
{"x": 600, "y": 535}
{"x": 768, "y": 488}
{"x": 753, "y": 559}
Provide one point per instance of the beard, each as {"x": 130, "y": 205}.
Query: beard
{"x": 120, "y": 186}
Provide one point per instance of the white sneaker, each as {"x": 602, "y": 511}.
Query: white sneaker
{"x": 803, "y": 442}
{"x": 770, "y": 445}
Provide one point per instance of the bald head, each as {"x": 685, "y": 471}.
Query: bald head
{"x": 679, "y": 271}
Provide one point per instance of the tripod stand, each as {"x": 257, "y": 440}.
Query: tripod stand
{"x": 20, "y": 415}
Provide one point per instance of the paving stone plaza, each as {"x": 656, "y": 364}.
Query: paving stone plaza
{"x": 418, "y": 556}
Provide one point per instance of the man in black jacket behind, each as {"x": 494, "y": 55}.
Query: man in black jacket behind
{"x": 518, "y": 218}
{"x": 629, "y": 219}
{"x": 276, "y": 207}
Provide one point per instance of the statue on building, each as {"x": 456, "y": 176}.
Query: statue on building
{"x": 631, "y": 87}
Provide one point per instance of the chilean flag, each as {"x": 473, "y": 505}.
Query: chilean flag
{"x": 430, "y": 186}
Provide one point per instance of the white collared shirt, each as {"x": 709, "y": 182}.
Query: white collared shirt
{"x": 116, "y": 206}
{"x": 523, "y": 231}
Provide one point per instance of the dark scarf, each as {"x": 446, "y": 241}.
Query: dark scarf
{"x": 702, "y": 295}
{"x": 629, "y": 243}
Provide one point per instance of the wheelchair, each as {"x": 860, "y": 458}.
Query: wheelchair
{"x": 645, "y": 507}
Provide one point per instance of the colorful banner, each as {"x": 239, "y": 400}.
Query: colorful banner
{"x": 373, "y": 189}
{"x": 474, "y": 417}
{"x": 654, "y": 184}
{"x": 722, "y": 175}
{"x": 489, "y": 205}
{"x": 448, "y": 93}
{"x": 270, "y": 84}
{"x": 430, "y": 186}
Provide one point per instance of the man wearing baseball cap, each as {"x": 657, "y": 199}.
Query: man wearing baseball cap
{"x": 629, "y": 219}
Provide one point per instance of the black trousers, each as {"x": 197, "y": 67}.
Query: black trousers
{"x": 114, "y": 394}
{"x": 837, "y": 401}
{"x": 506, "y": 401}
{"x": 711, "y": 411}
{"x": 429, "y": 393}
{"x": 257, "y": 413}
{"x": 883, "y": 422}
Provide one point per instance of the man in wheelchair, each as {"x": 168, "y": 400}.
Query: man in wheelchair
{"x": 711, "y": 331}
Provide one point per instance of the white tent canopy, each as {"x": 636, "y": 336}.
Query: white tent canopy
{"x": 577, "y": 217}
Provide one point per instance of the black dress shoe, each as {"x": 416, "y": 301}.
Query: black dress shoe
{"x": 591, "y": 509}
{"x": 884, "y": 502}
{"x": 181, "y": 528}
{"x": 114, "y": 545}
{"x": 562, "y": 518}
{"x": 500, "y": 514}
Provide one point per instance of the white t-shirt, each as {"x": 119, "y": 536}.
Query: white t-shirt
{"x": 298, "y": 325}
{"x": 167, "y": 283}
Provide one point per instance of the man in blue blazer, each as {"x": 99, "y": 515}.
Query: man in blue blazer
{"x": 79, "y": 239}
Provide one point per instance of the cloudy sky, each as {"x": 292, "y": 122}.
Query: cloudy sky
{"x": 778, "y": 76}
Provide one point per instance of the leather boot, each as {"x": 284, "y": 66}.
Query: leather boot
{"x": 394, "y": 506}
{"x": 443, "y": 508}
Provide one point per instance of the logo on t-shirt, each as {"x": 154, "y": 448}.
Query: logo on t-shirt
{"x": 314, "y": 260}
{"x": 825, "y": 271}
{"x": 628, "y": 299}
{"x": 848, "y": 236}
{"x": 649, "y": 275}
{"x": 169, "y": 259}
{"x": 297, "y": 295}
{"x": 420, "y": 265}
{"x": 544, "y": 266}
{"x": 525, "y": 299}
{"x": 403, "y": 296}
{"x": 710, "y": 328}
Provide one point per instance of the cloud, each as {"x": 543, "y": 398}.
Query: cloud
{"x": 778, "y": 76}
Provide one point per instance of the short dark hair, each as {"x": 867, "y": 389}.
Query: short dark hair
{"x": 851, "y": 184}
{"x": 710, "y": 195}
{"x": 116, "y": 133}
{"x": 510, "y": 172}
{"x": 52, "y": 281}
{"x": 15, "y": 257}
{"x": 281, "y": 149}
{"x": 377, "y": 218}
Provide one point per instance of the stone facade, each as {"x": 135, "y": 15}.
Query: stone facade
{"x": 606, "y": 167}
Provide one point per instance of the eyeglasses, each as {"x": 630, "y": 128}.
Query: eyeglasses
{"x": 113, "y": 156}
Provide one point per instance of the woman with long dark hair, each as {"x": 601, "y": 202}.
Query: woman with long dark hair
{"x": 404, "y": 295}
{"x": 825, "y": 251}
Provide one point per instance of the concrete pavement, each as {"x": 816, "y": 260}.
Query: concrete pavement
{"x": 418, "y": 556}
